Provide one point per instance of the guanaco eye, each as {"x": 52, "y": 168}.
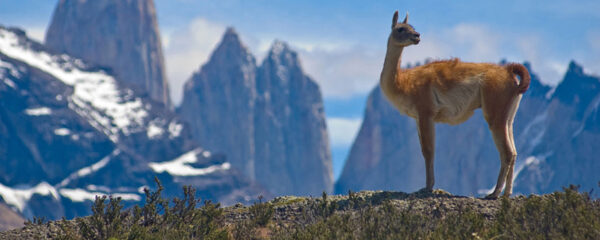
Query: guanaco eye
{"x": 400, "y": 30}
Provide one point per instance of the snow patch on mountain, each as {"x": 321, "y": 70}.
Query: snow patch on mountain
{"x": 9, "y": 82}
{"x": 529, "y": 161}
{"x": 81, "y": 195}
{"x": 535, "y": 131}
{"x": 38, "y": 111}
{"x": 8, "y": 68}
{"x": 175, "y": 129}
{"x": 592, "y": 109}
{"x": 18, "y": 197}
{"x": 519, "y": 167}
{"x": 62, "y": 131}
{"x": 180, "y": 167}
{"x": 96, "y": 95}
{"x": 154, "y": 130}
{"x": 90, "y": 169}
{"x": 550, "y": 93}
{"x": 96, "y": 188}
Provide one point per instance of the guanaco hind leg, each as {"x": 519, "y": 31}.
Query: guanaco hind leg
{"x": 511, "y": 119}
{"x": 507, "y": 155}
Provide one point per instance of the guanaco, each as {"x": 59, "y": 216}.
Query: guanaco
{"x": 448, "y": 92}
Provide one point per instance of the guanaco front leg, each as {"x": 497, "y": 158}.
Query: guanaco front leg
{"x": 426, "y": 128}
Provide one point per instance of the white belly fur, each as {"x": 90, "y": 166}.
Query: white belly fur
{"x": 457, "y": 104}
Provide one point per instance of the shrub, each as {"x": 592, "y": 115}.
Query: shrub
{"x": 156, "y": 219}
{"x": 261, "y": 212}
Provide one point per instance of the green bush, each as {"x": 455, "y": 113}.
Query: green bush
{"x": 261, "y": 212}
{"x": 179, "y": 220}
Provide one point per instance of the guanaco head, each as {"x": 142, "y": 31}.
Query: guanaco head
{"x": 403, "y": 34}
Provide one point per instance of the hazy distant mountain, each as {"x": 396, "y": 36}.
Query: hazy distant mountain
{"x": 120, "y": 34}
{"x": 269, "y": 120}
{"x": 564, "y": 148}
{"x": 557, "y": 137}
{"x": 70, "y": 131}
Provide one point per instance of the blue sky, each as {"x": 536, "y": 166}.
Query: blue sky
{"x": 342, "y": 43}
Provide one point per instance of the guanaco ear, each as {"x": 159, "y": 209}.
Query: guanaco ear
{"x": 395, "y": 20}
{"x": 405, "y": 18}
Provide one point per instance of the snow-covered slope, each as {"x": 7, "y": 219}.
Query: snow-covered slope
{"x": 70, "y": 131}
{"x": 96, "y": 95}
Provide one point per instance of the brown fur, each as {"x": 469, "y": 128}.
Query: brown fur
{"x": 449, "y": 91}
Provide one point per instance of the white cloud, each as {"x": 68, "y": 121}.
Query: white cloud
{"x": 593, "y": 38}
{"x": 186, "y": 49}
{"x": 531, "y": 48}
{"x": 342, "y": 72}
{"x": 477, "y": 41}
{"x": 594, "y": 42}
{"x": 342, "y": 131}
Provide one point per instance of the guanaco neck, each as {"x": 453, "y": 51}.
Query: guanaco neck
{"x": 391, "y": 66}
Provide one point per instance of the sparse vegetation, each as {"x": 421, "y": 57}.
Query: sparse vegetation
{"x": 567, "y": 214}
{"x": 261, "y": 212}
{"x": 156, "y": 219}
{"x": 562, "y": 215}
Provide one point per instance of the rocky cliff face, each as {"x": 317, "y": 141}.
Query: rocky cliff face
{"x": 548, "y": 128}
{"x": 291, "y": 142}
{"x": 120, "y": 34}
{"x": 269, "y": 120}
{"x": 69, "y": 131}
{"x": 218, "y": 102}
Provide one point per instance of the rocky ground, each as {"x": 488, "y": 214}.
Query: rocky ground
{"x": 380, "y": 214}
{"x": 9, "y": 219}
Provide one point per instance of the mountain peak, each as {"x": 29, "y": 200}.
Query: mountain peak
{"x": 574, "y": 68}
{"x": 278, "y": 47}
{"x": 121, "y": 35}
{"x": 577, "y": 87}
{"x": 281, "y": 54}
{"x": 231, "y": 35}
{"x": 231, "y": 47}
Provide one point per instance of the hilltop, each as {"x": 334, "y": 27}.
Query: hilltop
{"x": 363, "y": 215}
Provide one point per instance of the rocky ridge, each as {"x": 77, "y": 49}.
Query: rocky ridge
{"x": 369, "y": 214}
